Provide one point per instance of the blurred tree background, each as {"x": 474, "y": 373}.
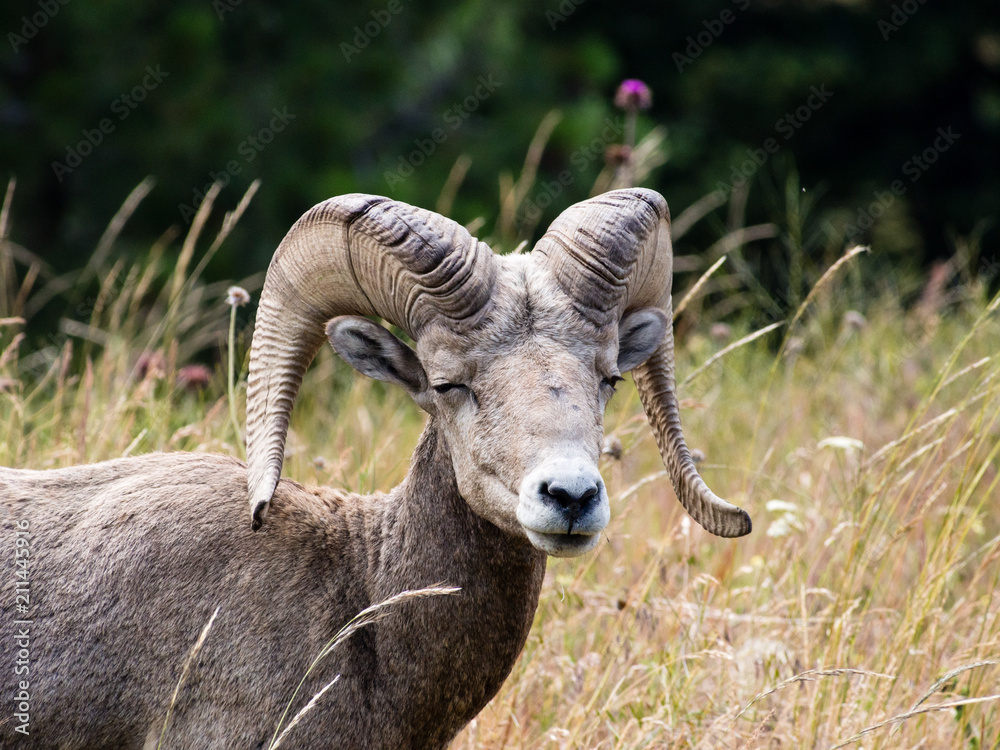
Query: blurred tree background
{"x": 821, "y": 106}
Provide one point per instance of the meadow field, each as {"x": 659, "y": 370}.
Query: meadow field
{"x": 861, "y": 432}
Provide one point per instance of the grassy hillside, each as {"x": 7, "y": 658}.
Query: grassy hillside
{"x": 863, "y": 611}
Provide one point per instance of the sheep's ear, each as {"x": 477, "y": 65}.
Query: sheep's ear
{"x": 373, "y": 351}
{"x": 640, "y": 333}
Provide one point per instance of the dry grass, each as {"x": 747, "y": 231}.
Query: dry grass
{"x": 863, "y": 611}
{"x": 869, "y": 577}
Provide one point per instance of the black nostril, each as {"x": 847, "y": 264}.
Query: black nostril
{"x": 571, "y": 502}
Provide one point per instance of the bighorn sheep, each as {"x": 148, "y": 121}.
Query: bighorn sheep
{"x": 516, "y": 357}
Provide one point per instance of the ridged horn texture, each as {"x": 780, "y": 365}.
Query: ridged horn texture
{"x": 611, "y": 255}
{"x": 351, "y": 255}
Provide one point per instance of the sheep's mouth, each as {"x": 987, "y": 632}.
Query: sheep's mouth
{"x": 562, "y": 544}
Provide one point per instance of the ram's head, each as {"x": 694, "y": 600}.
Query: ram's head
{"x": 516, "y": 356}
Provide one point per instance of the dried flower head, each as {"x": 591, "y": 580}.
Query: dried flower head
{"x": 151, "y": 365}
{"x": 721, "y": 331}
{"x": 194, "y": 377}
{"x": 854, "y": 319}
{"x": 616, "y": 154}
{"x": 633, "y": 95}
{"x": 613, "y": 447}
{"x": 237, "y": 296}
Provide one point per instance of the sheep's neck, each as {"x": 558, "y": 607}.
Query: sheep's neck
{"x": 449, "y": 655}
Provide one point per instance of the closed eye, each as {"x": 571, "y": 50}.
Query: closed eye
{"x": 446, "y": 387}
{"x": 612, "y": 381}
{"x": 461, "y": 393}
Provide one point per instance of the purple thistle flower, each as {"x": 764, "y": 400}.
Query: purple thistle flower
{"x": 633, "y": 95}
{"x": 194, "y": 377}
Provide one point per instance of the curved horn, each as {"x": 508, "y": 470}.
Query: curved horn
{"x": 612, "y": 254}
{"x": 352, "y": 255}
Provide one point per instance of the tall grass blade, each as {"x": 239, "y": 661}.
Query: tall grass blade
{"x": 192, "y": 655}
{"x": 366, "y": 617}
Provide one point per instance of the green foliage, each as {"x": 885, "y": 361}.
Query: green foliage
{"x": 368, "y": 83}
